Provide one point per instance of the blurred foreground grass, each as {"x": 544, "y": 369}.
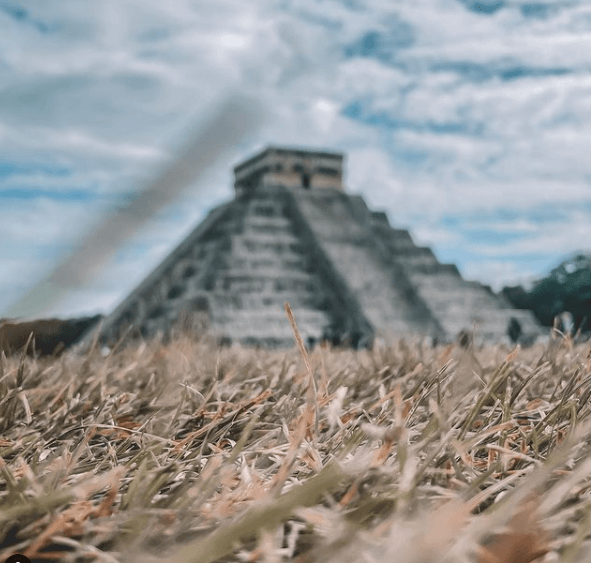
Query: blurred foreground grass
{"x": 186, "y": 452}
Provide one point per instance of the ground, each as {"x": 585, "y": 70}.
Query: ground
{"x": 188, "y": 452}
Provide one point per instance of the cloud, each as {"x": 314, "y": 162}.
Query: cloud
{"x": 499, "y": 274}
{"x": 465, "y": 111}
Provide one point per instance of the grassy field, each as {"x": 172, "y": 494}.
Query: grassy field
{"x": 186, "y": 452}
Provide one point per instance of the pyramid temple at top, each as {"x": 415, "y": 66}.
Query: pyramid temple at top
{"x": 293, "y": 234}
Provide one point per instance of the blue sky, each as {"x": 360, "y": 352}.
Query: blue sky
{"x": 467, "y": 121}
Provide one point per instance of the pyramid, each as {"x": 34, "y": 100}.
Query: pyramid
{"x": 292, "y": 234}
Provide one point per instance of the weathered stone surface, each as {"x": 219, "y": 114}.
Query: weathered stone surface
{"x": 293, "y": 234}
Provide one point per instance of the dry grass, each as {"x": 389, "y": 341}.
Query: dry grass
{"x": 188, "y": 453}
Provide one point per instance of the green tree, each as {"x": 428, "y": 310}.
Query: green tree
{"x": 566, "y": 288}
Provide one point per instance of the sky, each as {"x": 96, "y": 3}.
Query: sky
{"x": 467, "y": 121}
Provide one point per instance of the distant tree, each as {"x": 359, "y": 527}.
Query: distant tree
{"x": 566, "y": 288}
{"x": 517, "y": 296}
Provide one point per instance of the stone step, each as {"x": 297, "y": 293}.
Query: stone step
{"x": 375, "y": 285}
{"x": 255, "y": 262}
{"x": 269, "y": 323}
{"x": 271, "y": 316}
{"x": 407, "y": 251}
{"x": 277, "y": 300}
{"x": 427, "y": 267}
{"x": 257, "y": 221}
{"x": 264, "y": 279}
{"x": 329, "y": 216}
{"x": 371, "y": 284}
{"x": 492, "y": 325}
{"x": 265, "y": 207}
{"x": 443, "y": 290}
{"x": 397, "y": 237}
{"x": 254, "y": 243}
{"x": 459, "y": 304}
{"x": 285, "y": 238}
{"x": 267, "y": 273}
{"x": 420, "y": 262}
{"x": 273, "y": 300}
{"x": 391, "y": 327}
{"x": 250, "y": 230}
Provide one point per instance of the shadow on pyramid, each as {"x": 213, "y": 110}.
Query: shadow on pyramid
{"x": 292, "y": 234}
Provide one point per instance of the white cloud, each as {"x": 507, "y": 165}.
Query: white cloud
{"x": 499, "y": 274}
{"x": 558, "y": 239}
{"x": 110, "y": 89}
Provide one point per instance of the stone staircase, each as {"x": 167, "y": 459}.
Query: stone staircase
{"x": 239, "y": 272}
{"x": 380, "y": 286}
{"x": 265, "y": 267}
{"x": 456, "y": 303}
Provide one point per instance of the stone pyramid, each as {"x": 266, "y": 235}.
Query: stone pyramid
{"x": 293, "y": 234}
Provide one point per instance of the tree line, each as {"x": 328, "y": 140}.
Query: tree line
{"x": 566, "y": 289}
